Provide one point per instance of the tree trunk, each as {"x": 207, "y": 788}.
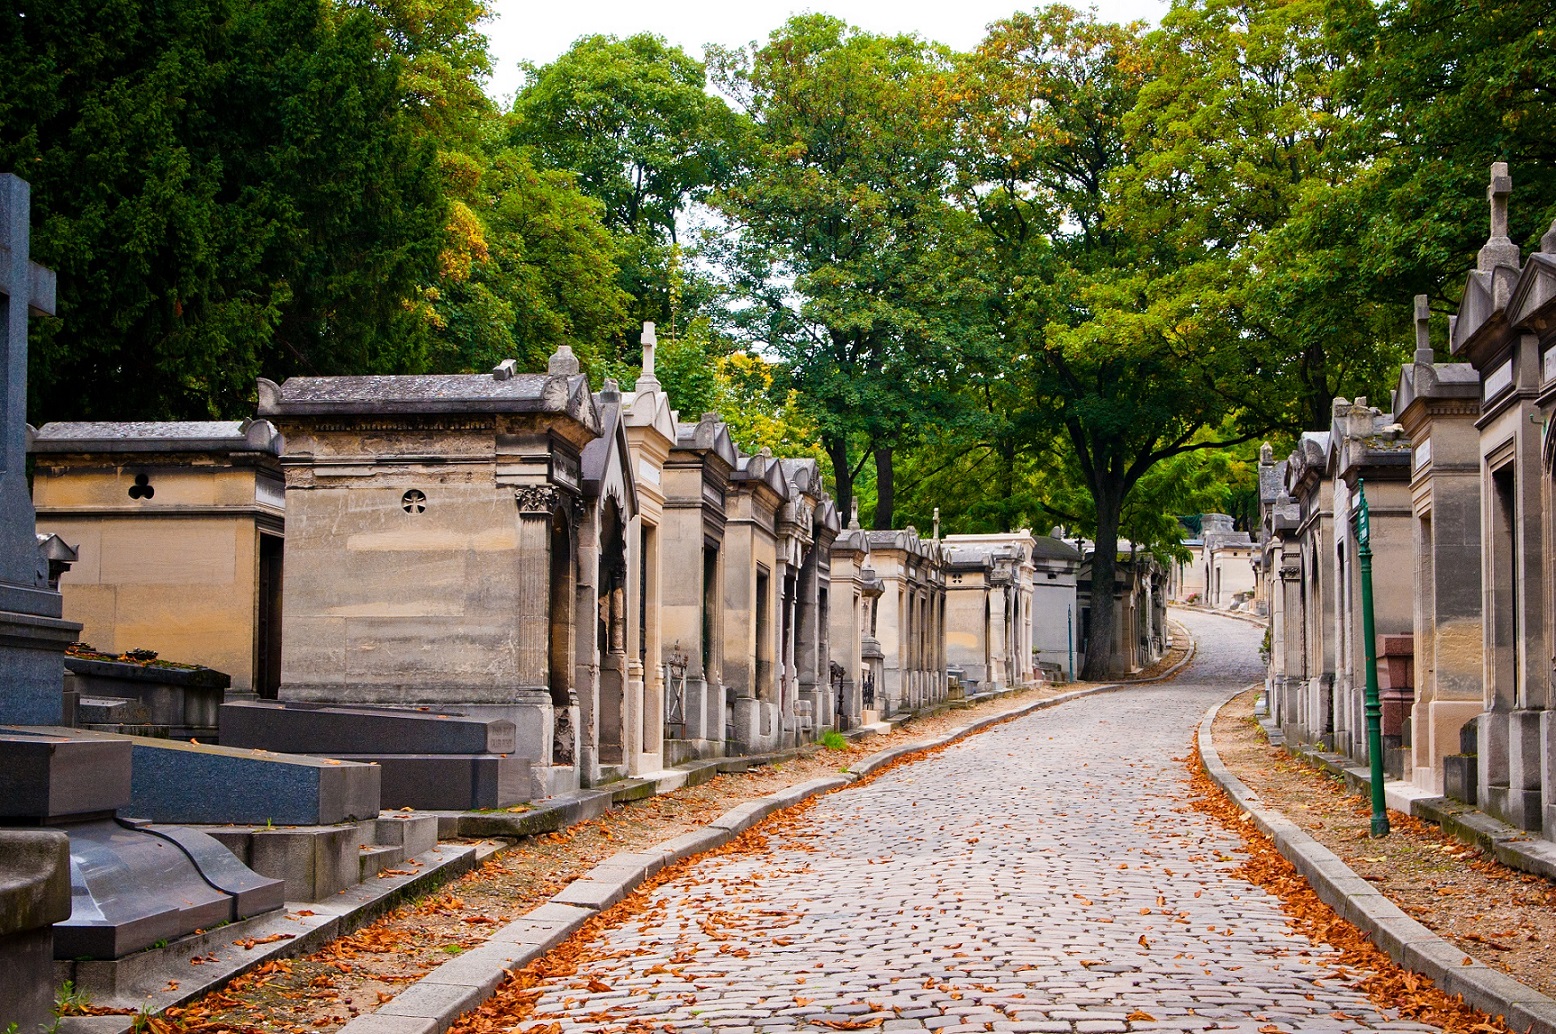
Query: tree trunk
{"x": 842, "y": 474}
{"x": 885, "y": 502}
{"x": 1100, "y": 652}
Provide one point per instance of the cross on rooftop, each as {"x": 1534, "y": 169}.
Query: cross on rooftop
{"x": 1423, "y": 330}
{"x": 1497, "y": 192}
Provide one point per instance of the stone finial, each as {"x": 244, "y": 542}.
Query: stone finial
{"x": 936, "y": 536}
{"x": 1499, "y": 250}
{"x": 505, "y": 370}
{"x": 563, "y": 362}
{"x": 853, "y": 514}
{"x": 1057, "y": 532}
{"x": 1548, "y": 242}
{"x": 1266, "y": 455}
{"x": 610, "y": 390}
{"x": 1424, "y": 356}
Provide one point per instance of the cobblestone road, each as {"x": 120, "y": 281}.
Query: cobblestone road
{"x": 1043, "y": 876}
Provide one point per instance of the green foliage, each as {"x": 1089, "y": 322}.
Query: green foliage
{"x": 631, "y": 118}
{"x": 833, "y": 740}
{"x": 851, "y": 268}
{"x": 224, "y": 186}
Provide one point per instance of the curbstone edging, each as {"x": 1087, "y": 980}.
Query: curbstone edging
{"x": 1405, "y": 940}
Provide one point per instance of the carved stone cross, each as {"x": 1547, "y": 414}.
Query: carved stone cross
{"x": 1423, "y": 333}
{"x": 1497, "y": 192}
{"x": 25, "y": 287}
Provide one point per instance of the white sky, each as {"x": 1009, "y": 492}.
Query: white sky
{"x": 540, "y": 30}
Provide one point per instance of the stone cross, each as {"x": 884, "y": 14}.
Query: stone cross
{"x": 1497, "y": 192}
{"x": 1499, "y": 250}
{"x": 646, "y": 379}
{"x": 1424, "y": 355}
{"x": 649, "y": 340}
{"x": 25, "y": 287}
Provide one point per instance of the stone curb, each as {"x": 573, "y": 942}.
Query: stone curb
{"x": 1406, "y": 941}
{"x": 433, "y": 1003}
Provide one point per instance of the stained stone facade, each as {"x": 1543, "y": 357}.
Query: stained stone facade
{"x": 909, "y": 619}
{"x": 1461, "y": 483}
{"x": 178, "y": 529}
{"x": 989, "y": 608}
{"x": 1055, "y": 615}
{"x": 441, "y": 548}
{"x": 856, "y": 657}
{"x": 1436, "y": 405}
{"x": 1226, "y": 563}
{"x": 696, "y": 480}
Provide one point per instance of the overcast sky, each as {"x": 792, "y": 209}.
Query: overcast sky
{"x": 539, "y": 30}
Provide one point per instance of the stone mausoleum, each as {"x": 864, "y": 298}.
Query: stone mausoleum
{"x": 441, "y": 550}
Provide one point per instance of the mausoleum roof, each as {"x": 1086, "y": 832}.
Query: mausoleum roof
{"x": 158, "y": 436}
{"x": 566, "y": 394}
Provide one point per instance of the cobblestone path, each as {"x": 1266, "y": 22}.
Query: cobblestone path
{"x": 1043, "y": 876}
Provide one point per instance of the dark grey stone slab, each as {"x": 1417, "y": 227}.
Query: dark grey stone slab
{"x": 50, "y": 774}
{"x": 301, "y": 728}
{"x": 450, "y": 781}
{"x": 252, "y": 894}
{"x": 130, "y": 889}
{"x": 200, "y": 783}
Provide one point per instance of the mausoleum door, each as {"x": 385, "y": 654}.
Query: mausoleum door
{"x": 611, "y": 635}
{"x": 560, "y": 639}
{"x": 267, "y": 630}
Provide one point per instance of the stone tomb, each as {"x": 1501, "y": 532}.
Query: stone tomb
{"x": 433, "y": 540}
{"x": 696, "y": 490}
{"x": 989, "y": 608}
{"x": 179, "y": 531}
{"x": 132, "y": 883}
{"x": 1436, "y": 404}
{"x": 651, "y": 433}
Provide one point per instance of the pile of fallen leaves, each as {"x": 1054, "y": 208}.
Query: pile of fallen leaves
{"x": 1361, "y": 963}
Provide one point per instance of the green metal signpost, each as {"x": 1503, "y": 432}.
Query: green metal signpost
{"x": 1380, "y": 815}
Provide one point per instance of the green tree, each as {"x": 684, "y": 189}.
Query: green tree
{"x": 224, "y": 187}
{"x": 633, "y": 120}
{"x": 855, "y": 271}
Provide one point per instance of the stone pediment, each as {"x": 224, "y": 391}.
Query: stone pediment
{"x": 1308, "y": 462}
{"x": 606, "y": 462}
{"x": 1482, "y": 312}
{"x": 764, "y": 470}
{"x": 1533, "y": 303}
{"x": 650, "y": 409}
{"x": 708, "y": 435}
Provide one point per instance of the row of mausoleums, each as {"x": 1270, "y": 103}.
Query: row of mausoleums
{"x": 630, "y": 590}
{"x": 1459, "y": 482}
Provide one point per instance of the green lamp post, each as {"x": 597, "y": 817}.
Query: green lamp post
{"x": 1374, "y": 708}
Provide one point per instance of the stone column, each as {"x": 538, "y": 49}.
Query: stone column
{"x": 535, "y": 717}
